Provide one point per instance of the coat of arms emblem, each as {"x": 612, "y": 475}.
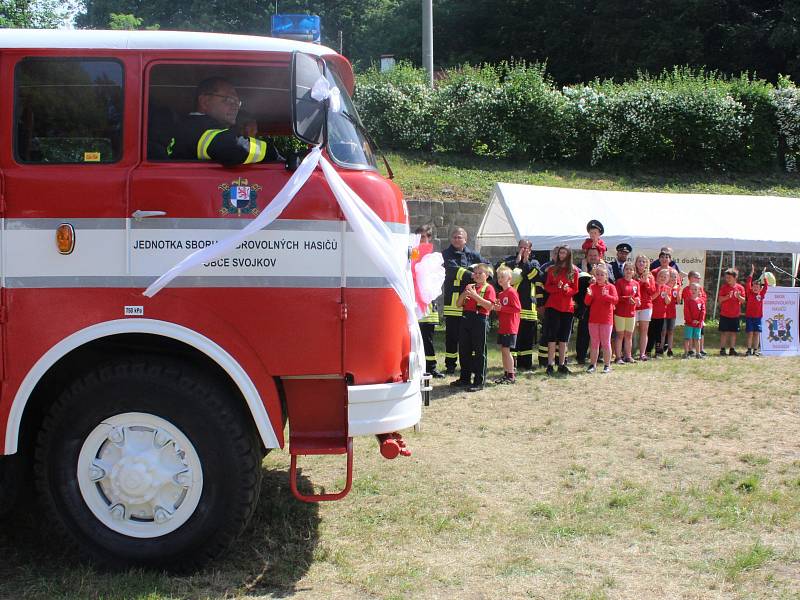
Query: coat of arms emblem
{"x": 779, "y": 328}
{"x": 239, "y": 198}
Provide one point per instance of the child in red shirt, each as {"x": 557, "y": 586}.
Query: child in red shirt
{"x": 668, "y": 331}
{"x": 561, "y": 285}
{"x": 595, "y": 229}
{"x": 647, "y": 287}
{"x": 753, "y": 312}
{"x": 508, "y": 308}
{"x": 694, "y": 313}
{"x": 477, "y": 300}
{"x": 662, "y": 297}
{"x": 601, "y": 298}
{"x": 694, "y": 277}
{"x": 731, "y": 296}
{"x": 624, "y": 314}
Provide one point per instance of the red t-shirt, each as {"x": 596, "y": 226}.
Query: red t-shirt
{"x": 601, "y": 300}
{"x": 487, "y": 293}
{"x": 694, "y": 311}
{"x": 647, "y": 287}
{"x": 730, "y": 307}
{"x": 672, "y": 307}
{"x": 660, "y": 301}
{"x": 561, "y": 290}
{"x": 599, "y": 244}
{"x": 627, "y": 290}
{"x": 508, "y": 315}
{"x": 755, "y": 302}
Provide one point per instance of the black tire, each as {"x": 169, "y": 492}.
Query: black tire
{"x": 11, "y": 482}
{"x": 203, "y": 409}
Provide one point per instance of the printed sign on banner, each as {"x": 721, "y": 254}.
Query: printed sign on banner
{"x": 779, "y": 325}
{"x": 687, "y": 260}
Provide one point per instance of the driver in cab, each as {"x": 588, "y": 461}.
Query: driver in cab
{"x": 210, "y": 132}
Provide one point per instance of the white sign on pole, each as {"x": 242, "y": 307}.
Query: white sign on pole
{"x": 779, "y": 325}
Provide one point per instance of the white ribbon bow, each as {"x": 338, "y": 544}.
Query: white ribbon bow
{"x": 322, "y": 90}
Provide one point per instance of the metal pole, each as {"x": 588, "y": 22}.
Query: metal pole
{"x": 340, "y": 41}
{"x": 427, "y": 38}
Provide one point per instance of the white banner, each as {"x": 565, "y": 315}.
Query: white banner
{"x": 779, "y": 325}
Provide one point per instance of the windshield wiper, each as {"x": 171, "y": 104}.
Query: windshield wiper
{"x": 368, "y": 137}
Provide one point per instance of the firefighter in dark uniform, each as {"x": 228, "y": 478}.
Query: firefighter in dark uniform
{"x": 209, "y": 133}
{"x": 457, "y": 260}
{"x": 618, "y": 265}
{"x": 526, "y": 287}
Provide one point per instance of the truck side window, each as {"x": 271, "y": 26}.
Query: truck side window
{"x": 68, "y": 110}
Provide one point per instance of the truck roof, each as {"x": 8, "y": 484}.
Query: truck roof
{"x": 96, "y": 39}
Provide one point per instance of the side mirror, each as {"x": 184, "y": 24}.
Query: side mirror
{"x": 308, "y": 115}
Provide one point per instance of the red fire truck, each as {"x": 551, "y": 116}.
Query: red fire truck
{"x": 143, "y": 421}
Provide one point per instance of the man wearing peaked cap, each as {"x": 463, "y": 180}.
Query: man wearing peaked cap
{"x": 618, "y": 264}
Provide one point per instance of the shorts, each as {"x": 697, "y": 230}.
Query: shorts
{"x": 507, "y": 340}
{"x": 644, "y": 316}
{"x": 669, "y": 324}
{"x": 624, "y": 324}
{"x": 691, "y": 333}
{"x": 558, "y": 325}
{"x": 729, "y": 324}
{"x": 752, "y": 324}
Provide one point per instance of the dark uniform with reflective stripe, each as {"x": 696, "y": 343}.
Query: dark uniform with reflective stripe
{"x": 541, "y": 299}
{"x": 201, "y": 137}
{"x": 427, "y": 326}
{"x": 457, "y": 275}
{"x": 528, "y": 293}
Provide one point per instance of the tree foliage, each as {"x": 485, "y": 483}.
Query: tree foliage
{"x": 30, "y": 14}
{"x": 578, "y": 39}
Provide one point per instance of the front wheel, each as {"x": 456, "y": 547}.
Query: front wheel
{"x": 149, "y": 463}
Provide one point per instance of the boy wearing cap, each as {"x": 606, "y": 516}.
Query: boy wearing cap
{"x": 595, "y": 229}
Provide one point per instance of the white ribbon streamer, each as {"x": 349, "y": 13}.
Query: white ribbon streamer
{"x": 372, "y": 234}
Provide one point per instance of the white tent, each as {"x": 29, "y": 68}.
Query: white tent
{"x": 549, "y": 216}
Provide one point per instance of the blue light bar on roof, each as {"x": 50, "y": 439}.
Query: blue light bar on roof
{"x": 303, "y": 28}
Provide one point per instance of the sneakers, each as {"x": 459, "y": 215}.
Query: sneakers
{"x": 690, "y": 354}
{"x": 749, "y": 352}
{"x": 722, "y": 352}
{"x": 702, "y": 353}
{"x": 606, "y": 369}
{"x": 459, "y": 383}
{"x": 436, "y": 374}
{"x": 629, "y": 359}
{"x": 733, "y": 352}
{"x": 756, "y": 352}
{"x": 619, "y": 361}
{"x": 591, "y": 369}
{"x": 505, "y": 380}
{"x": 669, "y": 352}
{"x": 550, "y": 371}
{"x": 475, "y": 388}
{"x": 644, "y": 357}
{"x": 564, "y": 370}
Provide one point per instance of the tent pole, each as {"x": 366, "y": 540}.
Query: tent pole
{"x": 794, "y": 268}
{"x": 719, "y": 279}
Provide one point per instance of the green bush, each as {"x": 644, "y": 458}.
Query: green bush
{"x": 684, "y": 118}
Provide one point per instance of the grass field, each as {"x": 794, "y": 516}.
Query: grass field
{"x": 443, "y": 177}
{"x": 671, "y": 479}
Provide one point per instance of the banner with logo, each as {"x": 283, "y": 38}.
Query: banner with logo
{"x": 779, "y": 325}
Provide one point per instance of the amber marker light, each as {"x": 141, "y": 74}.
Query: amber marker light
{"x": 65, "y": 238}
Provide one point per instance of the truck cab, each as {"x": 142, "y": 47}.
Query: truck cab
{"x": 149, "y": 416}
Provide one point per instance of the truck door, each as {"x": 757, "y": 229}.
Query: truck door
{"x": 281, "y": 289}
{"x": 70, "y": 143}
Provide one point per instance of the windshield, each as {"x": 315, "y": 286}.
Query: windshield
{"x": 347, "y": 139}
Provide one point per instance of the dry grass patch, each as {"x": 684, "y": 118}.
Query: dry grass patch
{"x": 673, "y": 479}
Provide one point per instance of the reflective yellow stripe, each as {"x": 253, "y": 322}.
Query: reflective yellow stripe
{"x": 431, "y": 358}
{"x": 528, "y": 315}
{"x": 258, "y": 150}
{"x": 432, "y": 317}
{"x": 205, "y": 141}
{"x": 452, "y": 303}
{"x": 525, "y": 353}
{"x": 451, "y": 354}
{"x": 452, "y": 311}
